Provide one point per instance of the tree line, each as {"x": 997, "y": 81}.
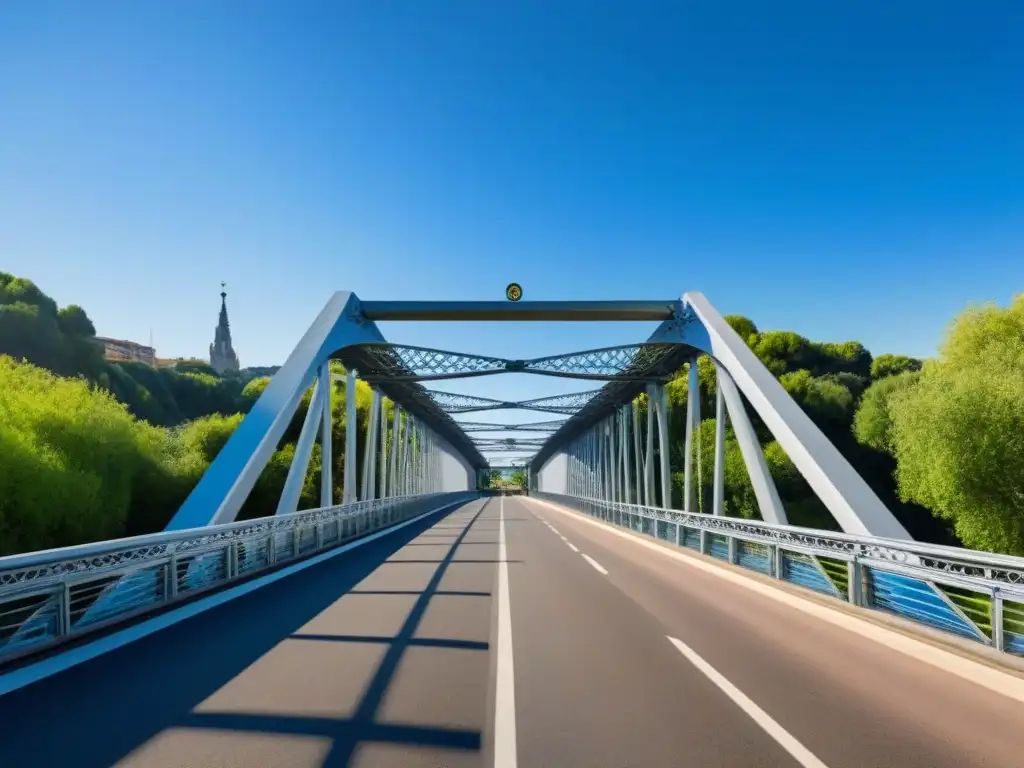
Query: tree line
{"x": 938, "y": 440}
{"x": 92, "y": 449}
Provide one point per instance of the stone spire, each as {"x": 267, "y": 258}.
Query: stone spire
{"x": 222, "y": 355}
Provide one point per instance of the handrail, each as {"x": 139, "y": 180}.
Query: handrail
{"x": 11, "y": 563}
{"x": 48, "y": 598}
{"x": 978, "y": 595}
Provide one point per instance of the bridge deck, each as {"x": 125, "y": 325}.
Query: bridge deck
{"x": 386, "y": 656}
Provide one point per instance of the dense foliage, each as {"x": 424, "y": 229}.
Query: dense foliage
{"x": 843, "y": 389}
{"x": 957, "y": 431}
{"x": 94, "y": 449}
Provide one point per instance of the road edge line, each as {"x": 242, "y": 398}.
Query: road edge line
{"x": 982, "y": 674}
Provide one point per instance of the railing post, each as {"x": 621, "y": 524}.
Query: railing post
{"x": 854, "y": 577}
{"x": 231, "y": 560}
{"x": 778, "y": 564}
{"x": 64, "y": 626}
{"x": 998, "y": 637}
{"x": 172, "y": 576}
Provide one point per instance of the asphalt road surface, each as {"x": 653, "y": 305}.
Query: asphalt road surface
{"x": 507, "y": 633}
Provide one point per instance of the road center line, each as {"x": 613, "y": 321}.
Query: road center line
{"x": 572, "y": 546}
{"x": 555, "y": 530}
{"x": 797, "y": 750}
{"x": 505, "y": 695}
{"x": 597, "y": 566}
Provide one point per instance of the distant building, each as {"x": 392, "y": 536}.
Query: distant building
{"x": 128, "y": 351}
{"x": 222, "y": 354}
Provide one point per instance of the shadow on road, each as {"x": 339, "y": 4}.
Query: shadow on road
{"x": 95, "y": 714}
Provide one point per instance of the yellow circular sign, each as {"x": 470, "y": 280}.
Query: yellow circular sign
{"x": 514, "y": 292}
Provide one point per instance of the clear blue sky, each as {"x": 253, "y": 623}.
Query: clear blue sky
{"x": 845, "y": 170}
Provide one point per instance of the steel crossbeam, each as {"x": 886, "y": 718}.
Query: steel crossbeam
{"x": 537, "y": 426}
{"x": 597, "y": 431}
{"x": 630, "y": 362}
{"x": 569, "y": 404}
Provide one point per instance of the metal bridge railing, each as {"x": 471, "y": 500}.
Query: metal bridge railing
{"x": 977, "y": 595}
{"x": 51, "y": 597}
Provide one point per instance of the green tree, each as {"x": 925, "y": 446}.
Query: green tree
{"x": 69, "y": 462}
{"x": 73, "y": 321}
{"x": 251, "y": 392}
{"x": 18, "y": 290}
{"x": 826, "y": 401}
{"x": 893, "y": 365}
{"x": 743, "y": 326}
{"x": 781, "y": 351}
{"x": 958, "y": 433}
{"x": 200, "y": 367}
{"x": 845, "y": 357}
{"x": 27, "y": 333}
{"x": 872, "y": 422}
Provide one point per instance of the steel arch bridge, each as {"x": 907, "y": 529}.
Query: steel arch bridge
{"x": 599, "y": 443}
{"x": 597, "y": 459}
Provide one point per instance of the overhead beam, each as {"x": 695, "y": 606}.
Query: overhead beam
{"x": 524, "y": 311}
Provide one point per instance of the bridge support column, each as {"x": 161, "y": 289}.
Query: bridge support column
{"x": 767, "y": 494}
{"x": 652, "y": 407}
{"x": 383, "y": 424}
{"x": 718, "y": 501}
{"x": 637, "y": 457}
{"x": 624, "y": 436}
{"x": 289, "y": 501}
{"x": 658, "y": 398}
{"x": 692, "y": 427}
{"x": 326, "y": 436}
{"x": 369, "y": 490}
{"x": 349, "y": 493}
{"x": 396, "y": 426}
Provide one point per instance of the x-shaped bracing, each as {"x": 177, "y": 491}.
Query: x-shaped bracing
{"x": 537, "y": 426}
{"x": 630, "y": 362}
{"x": 569, "y": 404}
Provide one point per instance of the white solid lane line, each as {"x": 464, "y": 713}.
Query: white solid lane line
{"x": 597, "y": 566}
{"x": 505, "y": 694}
{"x": 798, "y": 751}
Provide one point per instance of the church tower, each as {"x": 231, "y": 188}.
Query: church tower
{"x": 222, "y": 355}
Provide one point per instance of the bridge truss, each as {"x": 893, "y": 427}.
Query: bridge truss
{"x": 611, "y": 442}
{"x": 604, "y": 451}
